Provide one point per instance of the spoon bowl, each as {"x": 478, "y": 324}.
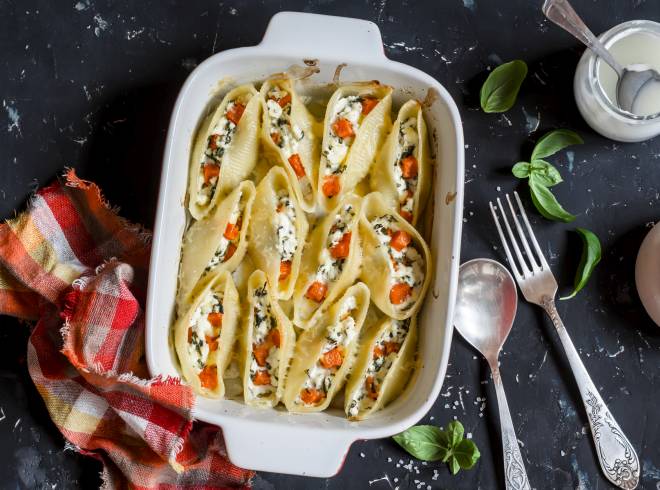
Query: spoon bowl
{"x": 486, "y": 305}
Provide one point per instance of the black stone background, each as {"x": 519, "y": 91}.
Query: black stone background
{"x": 91, "y": 84}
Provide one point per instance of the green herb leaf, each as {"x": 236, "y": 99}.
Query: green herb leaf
{"x": 521, "y": 170}
{"x": 547, "y": 203}
{"x": 499, "y": 91}
{"x": 554, "y": 141}
{"x": 545, "y": 173}
{"x": 591, "y": 254}
{"x": 454, "y": 465}
{"x": 430, "y": 443}
{"x": 466, "y": 453}
{"x": 425, "y": 442}
{"x": 455, "y": 432}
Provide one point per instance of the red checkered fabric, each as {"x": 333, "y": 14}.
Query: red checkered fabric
{"x": 80, "y": 270}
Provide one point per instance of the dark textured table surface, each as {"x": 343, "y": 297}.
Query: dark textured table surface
{"x": 91, "y": 84}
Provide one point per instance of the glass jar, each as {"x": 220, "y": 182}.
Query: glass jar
{"x": 594, "y": 105}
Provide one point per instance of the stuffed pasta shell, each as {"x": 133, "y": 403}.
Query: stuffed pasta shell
{"x": 267, "y": 345}
{"x": 277, "y": 232}
{"x": 403, "y": 173}
{"x": 356, "y": 121}
{"x": 204, "y": 335}
{"x": 385, "y": 362}
{"x": 325, "y": 354}
{"x": 397, "y": 262}
{"x": 225, "y": 151}
{"x": 289, "y": 131}
{"x": 217, "y": 242}
{"x": 330, "y": 263}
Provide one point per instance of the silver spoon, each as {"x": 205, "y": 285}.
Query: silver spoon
{"x": 631, "y": 78}
{"x": 485, "y": 308}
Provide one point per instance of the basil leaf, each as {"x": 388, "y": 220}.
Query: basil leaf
{"x": 554, "y": 141}
{"x": 424, "y": 442}
{"x": 545, "y": 173}
{"x": 466, "y": 453}
{"x": 455, "y": 433}
{"x": 521, "y": 170}
{"x": 454, "y": 465}
{"x": 591, "y": 254}
{"x": 547, "y": 203}
{"x": 499, "y": 91}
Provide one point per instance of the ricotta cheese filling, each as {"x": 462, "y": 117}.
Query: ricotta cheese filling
{"x": 346, "y": 109}
{"x": 339, "y": 337}
{"x": 406, "y": 178}
{"x": 385, "y": 351}
{"x": 330, "y": 268}
{"x": 285, "y": 133}
{"x": 406, "y": 264}
{"x": 264, "y": 361}
{"x": 287, "y": 241}
{"x": 230, "y": 238}
{"x": 217, "y": 143}
{"x": 204, "y": 329}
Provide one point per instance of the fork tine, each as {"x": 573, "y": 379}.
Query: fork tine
{"x": 512, "y": 262}
{"x": 544, "y": 263}
{"x": 514, "y": 243}
{"x": 532, "y": 262}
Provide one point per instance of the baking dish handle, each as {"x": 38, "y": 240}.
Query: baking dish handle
{"x": 292, "y": 450}
{"x": 323, "y": 36}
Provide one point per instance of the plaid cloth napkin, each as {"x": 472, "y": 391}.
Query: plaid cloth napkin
{"x": 80, "y": 270}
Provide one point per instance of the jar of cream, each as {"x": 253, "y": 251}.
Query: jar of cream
{"x": 633, "y": 42}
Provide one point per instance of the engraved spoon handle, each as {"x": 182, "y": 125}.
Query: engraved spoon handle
{"x": 562, "y": 13}
{"x": 616, "y": 455}
{"x": 515, "y": 475}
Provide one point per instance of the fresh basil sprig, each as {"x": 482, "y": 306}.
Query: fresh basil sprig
{"x": 591, "y": 253}
{"x": 542, "y": 175}
{"x": 499, "y": 91}
{"x": 431, "y": 443}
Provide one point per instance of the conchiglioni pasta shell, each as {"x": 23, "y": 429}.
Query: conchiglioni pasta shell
{"x": 308, "y": 146}
{"x": 223, "y": 284}
{"x": 240, "y": 157}
{"x": 201, "y": 241}
{"x": 287, "y": 342}
{"x": 397, "y": 375}
{"x": 310, "y": 344}
{"x": 375, "y": 270}
{"x": 368, "y": 138}
{"x": 306, "y": 311}
{"x": 382, "y": 173}
{"x": 262, "y": 234}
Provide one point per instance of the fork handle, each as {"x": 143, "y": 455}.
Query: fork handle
{"x": 616, "y": 455}
{"x": 514, "y": 469}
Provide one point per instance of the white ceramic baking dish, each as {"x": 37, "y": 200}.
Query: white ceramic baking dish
{"x": 274, "y": 440}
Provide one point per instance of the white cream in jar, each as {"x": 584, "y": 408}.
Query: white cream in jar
{"x": 631, "y": 43}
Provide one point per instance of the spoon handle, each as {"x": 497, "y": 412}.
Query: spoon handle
{"x": 514, "y": 469}
{"x": 562, "y": 13}
{"x": 616, "y": 455}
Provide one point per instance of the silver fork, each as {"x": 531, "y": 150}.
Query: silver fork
{"x": 616, "y": 455}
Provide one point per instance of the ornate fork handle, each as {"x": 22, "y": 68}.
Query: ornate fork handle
{"x": 515, "y": 475}
{"x": 616, "y": 455}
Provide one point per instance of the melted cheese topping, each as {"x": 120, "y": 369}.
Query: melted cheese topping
{"x": 349, "y": 108}
{"x": 264, "y": 322}
{"x": 408, "y": 140}
{"x": 340, "y": 334}
{"x": 200, "y": 328}
{"x": 406, "y": 266}
{"x": 285, "y": 219}
{"x": 223, "y": 244}
{"x": 379, "y": 365}
{"x": 330, "y": 268}
{"x": 218, "y": 141}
